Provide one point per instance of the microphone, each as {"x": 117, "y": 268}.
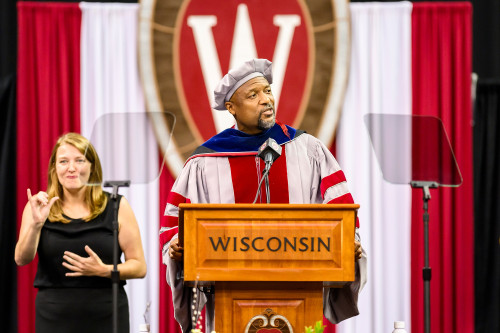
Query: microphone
{"x": 269, "y": 151}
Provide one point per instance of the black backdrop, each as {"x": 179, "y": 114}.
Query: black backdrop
{"x": 487, "y": 208}
{"x": 7, "y": 202}
{"x": 486, "y": 63}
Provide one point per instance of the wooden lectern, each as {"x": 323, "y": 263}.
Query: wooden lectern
{"x": 268, "y": 262}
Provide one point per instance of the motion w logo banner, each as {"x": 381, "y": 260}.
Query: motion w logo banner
{"x": 187, "y": 46}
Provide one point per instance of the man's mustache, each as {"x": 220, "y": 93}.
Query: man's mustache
{"x": 268, "y": 106}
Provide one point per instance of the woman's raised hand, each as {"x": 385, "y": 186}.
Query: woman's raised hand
{"x": 40, "y": 206}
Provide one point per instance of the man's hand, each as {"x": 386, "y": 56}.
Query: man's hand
{"x": 175, "y": 251}
{"x": 357, "y": 250}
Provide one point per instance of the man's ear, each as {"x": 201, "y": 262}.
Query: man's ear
{"x": 230, "y": 107}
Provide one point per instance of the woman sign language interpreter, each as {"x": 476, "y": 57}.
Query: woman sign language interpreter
{"x": 71, "y": 228}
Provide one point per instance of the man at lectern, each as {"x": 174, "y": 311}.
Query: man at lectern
{"x": 227, "y": 169}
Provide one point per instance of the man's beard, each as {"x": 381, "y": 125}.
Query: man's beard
{"x": 266, "y": 124}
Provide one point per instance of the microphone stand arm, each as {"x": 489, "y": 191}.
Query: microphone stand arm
{"x": 266, "y": 176}
{"x": 269, "y": 161}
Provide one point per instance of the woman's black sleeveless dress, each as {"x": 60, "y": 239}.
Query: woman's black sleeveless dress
{"x": 77, "y": 304}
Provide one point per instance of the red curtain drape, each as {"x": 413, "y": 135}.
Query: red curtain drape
{"x": 167, "y": 323}
{"x": 48, "y": 62}
{"x": 441, "y": 69}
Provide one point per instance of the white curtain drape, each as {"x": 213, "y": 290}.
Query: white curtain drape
{"x": 113, "y": 116}
{"x": 379, "y": 82}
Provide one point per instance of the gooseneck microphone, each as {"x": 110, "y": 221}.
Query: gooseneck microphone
{"x": 269, "y": 151}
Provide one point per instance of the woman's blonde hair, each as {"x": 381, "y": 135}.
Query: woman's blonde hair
{"x": 95, "y": 198}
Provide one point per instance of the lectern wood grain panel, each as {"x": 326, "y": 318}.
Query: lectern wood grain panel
{"x": 267, "y": 257}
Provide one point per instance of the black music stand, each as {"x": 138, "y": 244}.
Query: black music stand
{"x": 415, "y": 150}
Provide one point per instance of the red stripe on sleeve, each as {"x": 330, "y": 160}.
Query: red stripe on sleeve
{"x": 345, "y": 199}
{"x": 175, "y": 199}
{"x": 167, "y": 235}
{"x": 331, "y": 180}
{"x": 169, "y": 221}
